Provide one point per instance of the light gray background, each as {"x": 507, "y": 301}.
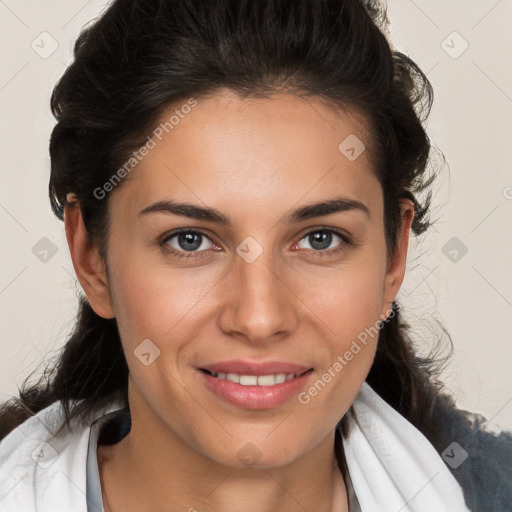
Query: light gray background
{"x": 470, "y": 124}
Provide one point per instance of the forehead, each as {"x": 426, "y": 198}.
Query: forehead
{"x": 231, "y": 152}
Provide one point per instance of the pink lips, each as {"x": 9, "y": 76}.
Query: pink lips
{"x": 255, "y": 397}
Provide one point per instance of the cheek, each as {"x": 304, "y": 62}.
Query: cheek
{"x": 347, "y": 309}
{"x": 346, "y": 301}
{"x": 163, "y": 306}
{"x": 151, "y": 299}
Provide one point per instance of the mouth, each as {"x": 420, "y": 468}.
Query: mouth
{"x": 254, "y": 392}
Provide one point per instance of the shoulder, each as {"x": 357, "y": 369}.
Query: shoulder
{"x": 22, "y": 450}
{"x": 479, "y": 459}
{"x": 486, "y": 474}
{"x": 28, "y": 436}
{"x": 36, "y": 464}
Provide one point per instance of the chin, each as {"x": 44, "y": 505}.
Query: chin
{"x": 252, "y": 454}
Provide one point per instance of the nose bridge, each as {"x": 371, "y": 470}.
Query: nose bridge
{"x": 259, "y": 304}
{"x": 257, "y": 276}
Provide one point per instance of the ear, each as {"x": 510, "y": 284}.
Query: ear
{"x": 89, "y": 267}
{"x": 396, "y": 266}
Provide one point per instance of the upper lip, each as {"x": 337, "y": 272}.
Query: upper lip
{"x": 256, "y": 368}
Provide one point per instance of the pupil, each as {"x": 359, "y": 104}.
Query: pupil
{"x": 322, "y": 237}
{"x": 186, "y": 241}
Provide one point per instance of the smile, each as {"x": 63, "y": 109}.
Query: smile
{"x": 255, "y": 391}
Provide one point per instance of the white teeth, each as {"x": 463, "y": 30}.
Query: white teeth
{"x": 268, "y": 380}
{"x": 249, "y": 380}
{"x": 253, "y": 380}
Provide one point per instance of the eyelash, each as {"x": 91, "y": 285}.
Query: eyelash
{"x": 345, "y": 245}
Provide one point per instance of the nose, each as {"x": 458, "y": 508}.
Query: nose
{"x": 259, "y": 304}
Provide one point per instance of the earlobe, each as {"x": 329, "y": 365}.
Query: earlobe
{"x": 89, "y": 267}
{"x": 396, "y": 270}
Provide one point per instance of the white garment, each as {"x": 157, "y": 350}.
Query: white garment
{"x": 390, "y": 464}
{"x": 393, "y": 466}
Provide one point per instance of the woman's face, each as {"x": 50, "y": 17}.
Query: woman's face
{"x": 264, "y": 285}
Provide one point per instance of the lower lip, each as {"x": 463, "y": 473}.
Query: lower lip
{"x": 256, "y": 397}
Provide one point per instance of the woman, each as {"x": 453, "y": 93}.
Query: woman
{"x": 238, "y": 184}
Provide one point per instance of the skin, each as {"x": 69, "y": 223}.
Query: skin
{"x": 255, "y": 160}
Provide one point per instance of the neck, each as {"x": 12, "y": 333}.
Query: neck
{"x": 153, "y": 469}
{"x": 131, "y": 481}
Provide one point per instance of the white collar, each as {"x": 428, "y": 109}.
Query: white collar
{"x": 393, "y": 466}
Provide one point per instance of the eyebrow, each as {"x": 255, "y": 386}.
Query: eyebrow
{"x": 319, "y": 209}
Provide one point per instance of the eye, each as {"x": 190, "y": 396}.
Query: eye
{"x": 321, "y": 239}
{"x": 186, "y": 244}
{"x": 195, "y": 244}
